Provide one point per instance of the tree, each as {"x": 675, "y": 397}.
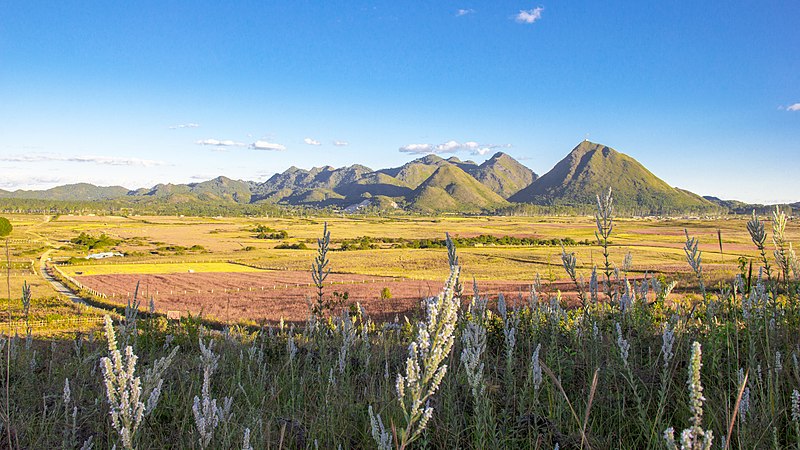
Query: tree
{"x": 386, "y": 294}
{"x": 5, "y": 230}
{"x": 5, "y": 227}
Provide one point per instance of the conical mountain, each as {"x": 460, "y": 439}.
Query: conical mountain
{"x": 222, "y": 189}
{"x": 414, "y": 173}
{"x": 451, "y": 189}
{"x": 592, "y": 168}
{"x": 503, "y": 174}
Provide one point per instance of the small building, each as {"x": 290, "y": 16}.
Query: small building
{"x": 104, "y": 255}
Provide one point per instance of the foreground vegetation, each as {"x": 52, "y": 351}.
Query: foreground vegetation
{"x": 629, "y": 367}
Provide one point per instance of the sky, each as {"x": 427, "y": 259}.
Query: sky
{"x": 705, "y": 94}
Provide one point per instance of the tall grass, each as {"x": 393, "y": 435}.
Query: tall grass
{"x": 620, "y": 372}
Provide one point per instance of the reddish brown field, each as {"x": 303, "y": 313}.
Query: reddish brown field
{"x": 270, "y": 296}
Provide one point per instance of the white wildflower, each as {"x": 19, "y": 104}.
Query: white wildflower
{"x": 88, "y": 444}
{"x": 382, "y": 437}
{"x": 425, "y": 366}
{"x": 473, "y": 339}
{"x": 623, "y": 345}
{"x": 123, "y": 389}
{"x": 536, "y": 368}
{"x": 667, "y": 341}
{"x": 246, "y": 440}
{"x": 207, "y": 414}
{"x": 291, "y": 348}
{"x": 744, "y": 403}
{"x": 694, "y": 437}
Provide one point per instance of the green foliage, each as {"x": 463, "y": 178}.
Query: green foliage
{"x": 265, "y": 232}
{"x": 295, "y": 246}
{"x": 5, "y": 227}
{"x": 362, "y": 243}
{"x": 386, "y": 294}
{"x": 367, "y": 243}
{"x": 90, "y": 242}
{"x": 178, "y": 249}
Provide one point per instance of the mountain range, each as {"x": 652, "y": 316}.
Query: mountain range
{"x": 429, "y": 184}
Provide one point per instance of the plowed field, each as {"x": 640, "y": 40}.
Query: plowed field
{"x": 272, "y": 295}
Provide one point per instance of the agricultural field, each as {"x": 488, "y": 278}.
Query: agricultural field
{"x": 224, "y": 268}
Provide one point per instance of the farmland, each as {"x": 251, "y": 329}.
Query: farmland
{"x": 220, "y": 266}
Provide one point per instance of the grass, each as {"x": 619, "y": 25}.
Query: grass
{"x": 295, "y": 401}
{"x": 39, "y": 287}
{"x": 608, "y": 376}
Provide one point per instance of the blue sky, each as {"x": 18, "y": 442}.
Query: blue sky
{"x": 704, "y": 94}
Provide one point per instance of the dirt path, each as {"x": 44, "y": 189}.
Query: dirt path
{"x": 59, "y": 287}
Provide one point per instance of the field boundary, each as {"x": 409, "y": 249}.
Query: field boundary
{"x": 77, "y": 283}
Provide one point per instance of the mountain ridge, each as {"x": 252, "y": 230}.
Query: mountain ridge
{"x": 427, "y": 184}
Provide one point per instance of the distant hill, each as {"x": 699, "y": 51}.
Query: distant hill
{"x": 294, "y": 184}
{"x": 429, "y": 184}
{"x": 71, "y": 192}
{"x": 737, "y": 207}
{"x": 502, "y": 174}
{"x": 220, "y": 190}
{"x": 415, "y": 173}
{"x": 592, "y": 168}
{"x": 449, "y": 188}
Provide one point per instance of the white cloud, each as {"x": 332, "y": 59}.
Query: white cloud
{"x": 464, "y": 12}
{"x": 264, "y": 174}
{"x": 111, "y": 161}
{"x": 264, "y": 145}
{"x": 452, "y": 147}
{"x": 26, "y": 181}
{"x": 341, "y": 143}
{"x": 104, "y": 160}
{"x": 529, "y": 16}
{"x": 448, "y": 147}
{"x": 185, "y": 125}
{"x": 310, "y": 141}
{"x": 795, "y": 107}
{"x": 218, "y": 143}
{"x": 418, "y": 149}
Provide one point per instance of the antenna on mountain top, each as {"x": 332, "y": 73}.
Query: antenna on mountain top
{"x": 587, "y": 137}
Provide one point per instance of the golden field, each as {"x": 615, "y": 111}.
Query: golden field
{"x": 175, "y": 245}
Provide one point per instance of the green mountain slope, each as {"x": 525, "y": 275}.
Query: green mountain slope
{"x": 291, "y": 185}
{"x": 451, "y": 189}
{"x": 222, "y": 189}
{"x": 414, "y": 173}
{"x": 374, "y": 184}
{"x": 503, "y": 174}
{"x": 427, "y": 184}
{"x": 592, "y": 168}
{"x": 71, "y": 192}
